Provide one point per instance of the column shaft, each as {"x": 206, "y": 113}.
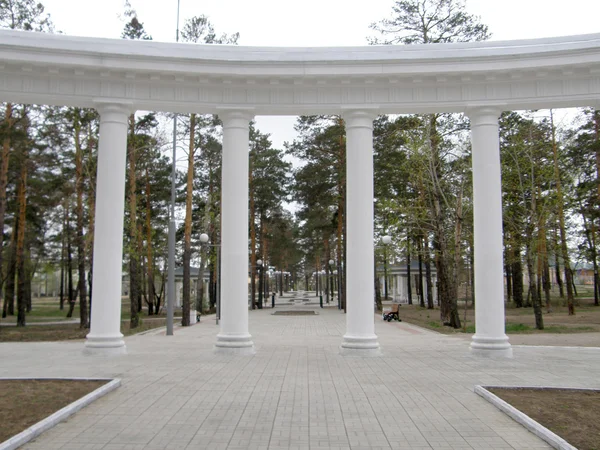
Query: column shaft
{"x": 360, "y": 338}
{"x": 490, "y": 337}
{"x": 105, "y": 328}
{"x": 234, "y": 336}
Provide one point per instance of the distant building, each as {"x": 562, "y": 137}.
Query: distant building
{"x": 398, "y": 282}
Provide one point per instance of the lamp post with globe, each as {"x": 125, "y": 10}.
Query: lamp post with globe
{"x": 259, "y": 266}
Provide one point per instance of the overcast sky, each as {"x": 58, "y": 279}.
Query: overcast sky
{"x": 313, "y": 23}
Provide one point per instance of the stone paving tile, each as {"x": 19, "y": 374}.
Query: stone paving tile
{"x": 297, "y": 392}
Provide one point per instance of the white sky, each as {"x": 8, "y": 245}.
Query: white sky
{"x": 313, "y": 23}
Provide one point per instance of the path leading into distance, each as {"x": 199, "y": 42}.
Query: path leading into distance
{"x": 297, "y": 392}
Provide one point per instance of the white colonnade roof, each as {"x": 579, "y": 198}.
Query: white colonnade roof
{"x": 509, "y": 75}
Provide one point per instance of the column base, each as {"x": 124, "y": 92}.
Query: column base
{"x": 234, "y": 344}
{"x": 360, "y": 346}
{"x": 491, "y": 346}
{"x": 105, "y": 345}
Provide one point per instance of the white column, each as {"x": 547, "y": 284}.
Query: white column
{"x": 401, "y": 283}
{"x": 105, "y": 329}
{"x": 178, "y": 288}
{"x": 234, "y": 336}
{"x": 360, "y": 338}
{"x": 489, "y": 338}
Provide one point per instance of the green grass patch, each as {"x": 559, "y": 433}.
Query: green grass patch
{"x": 433, "y": 324}
{"x": 53, "y": 311}
{"x": 66, "y": 332}
{"x": 470, "y": 329}
{"x": 563, "y": 329}
{"x": 517, "y": 328}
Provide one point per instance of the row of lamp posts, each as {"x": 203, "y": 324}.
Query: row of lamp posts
{"x": 337, "y": 272}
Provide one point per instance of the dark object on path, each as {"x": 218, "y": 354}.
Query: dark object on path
{"x": 298, "y": 312}
{"x": 393, "y": 314}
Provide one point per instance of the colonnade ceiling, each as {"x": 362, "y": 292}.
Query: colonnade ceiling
{"x": 186, "y": 78}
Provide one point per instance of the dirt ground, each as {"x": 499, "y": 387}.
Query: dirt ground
{"x": 571, "y": 414}
{"x": 25, "y": 402}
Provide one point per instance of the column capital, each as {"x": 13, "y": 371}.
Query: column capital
{"x": 107, "y": 106}
{"x": 359, "y": 118}
{"x": 236, "y": 117}
{"x": 483, "y": 115}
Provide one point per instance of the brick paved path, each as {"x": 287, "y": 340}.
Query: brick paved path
{"x": 297, "y": 392}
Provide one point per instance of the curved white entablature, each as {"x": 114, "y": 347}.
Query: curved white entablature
{"x": 76, "y": 71}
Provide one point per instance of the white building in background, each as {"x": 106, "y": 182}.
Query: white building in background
{"x": 398, "y": 282}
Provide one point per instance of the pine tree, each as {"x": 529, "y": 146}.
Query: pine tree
{"x": 134, "y": 29}
{"x": 425, "y": 22}
{"x": 197, "y": 29}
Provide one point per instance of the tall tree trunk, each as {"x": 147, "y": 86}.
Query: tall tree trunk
{"x": 134, "y": 274}
{"x": 282, "y": 266}
{"x": 187, "y": 239}
{"x": 29, "y": 272}
{"x": 590, "y": 235}
{"x": 5, "y": 156}
{"x": 507, "y": 270}
{"x": 149, "y": 250}
{"x": 428, "y": 279}
{"x": 420, "y": 284}
{"x": 83, "y": 311}
{"x": 22, "y": 205}
{"x": 11, "y": 272}
{"x": 63, "y": 253}
{"x": 561, "y": 219}
{"x": 595, "y": 254}
{"x": 559, "y": 280}
{"x": 200, "y": 284}
{"x": 543, "y": 262}
{"x": 252, "y": 218}
{"x": 507, "y": 266}
{"x": 408, "y": 275}
{"x": 517, "y": 273}
{"x": 70, "y": 290}
{"x": 445, "y": 264}
{"x": 377, "y": 291}
{"x": 141, "y": 269}
{"x": 317, "y": 275}
{"x": 91, "y": 201}
{"x": 341, "y": 214}
{"x": 327, "y": 256}
{"x": 537, "y": 304}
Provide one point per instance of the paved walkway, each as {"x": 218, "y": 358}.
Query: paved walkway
{"x": 297, "y": 392}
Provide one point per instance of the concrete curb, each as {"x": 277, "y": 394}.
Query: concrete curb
{"x": 35, "y": 430}
{"x": 540, "y": 431}
{"x": 555, "y": 346}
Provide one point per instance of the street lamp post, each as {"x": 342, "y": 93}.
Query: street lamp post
{"x": 337, "y": 272}
{"x": 171, "y": 238}
{"x": 331, "y": 276}
{"x": 281, "y": 282}
{"x": 259, "y": 265}
{"x": 204, "y": 241}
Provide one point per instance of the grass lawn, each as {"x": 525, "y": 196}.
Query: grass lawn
{"x": 23, "y": 403}
{"x": 47, "y": 310}
{"x": 67, "y": 331}
{"x": 571, "y": 414}
{"x": 518, "y": 320}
